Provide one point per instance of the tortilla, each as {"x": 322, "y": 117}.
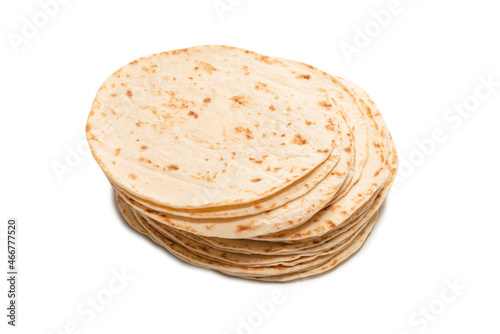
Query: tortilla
{"x": 172, "y": 121}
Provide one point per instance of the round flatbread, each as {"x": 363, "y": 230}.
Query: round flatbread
{"x": 214, "y": 125}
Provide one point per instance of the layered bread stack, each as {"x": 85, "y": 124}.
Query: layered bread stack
{"x": 258, "y": 167}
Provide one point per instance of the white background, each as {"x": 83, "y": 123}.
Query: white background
{"x": 440, "y": 221}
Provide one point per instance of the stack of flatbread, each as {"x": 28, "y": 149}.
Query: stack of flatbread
{"x": 257, "y": 167}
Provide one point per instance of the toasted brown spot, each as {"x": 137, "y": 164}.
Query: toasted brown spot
{"x": 308, "y": 122}
{"x": 347, "y": 149}
{"x": 138, "y": 124}
{"x": 245, "y": 70}
{"x": 256, "y": 180}
{"x": 132, "y": 176}
{"x": 262, "y": 86}
{"x": 142, "y": 159}
{"x": 319, "y": 229}
{"x": 206, "y": 67}
{"x": 117, "y": 151}
{"x": 239, "y": 100}
{"x": 173, "y": 167}
{"x": 209, "y": 226}
{"x": 147, "y": 69}
{"x": 178, "y": 51}
{"x": 144, "y": 148}
{"x": 129, "y": 93}
{"x": 248, "y": 132}
{"x": 299, "y": 235}
{"x": 325, "y": 104}
{"x": 299, "y": 140}
{"x": 303, "y": 76}
{"x": 88, "y": 127}
{"x": 241, "y": 228}
{"x": 330, "y": 126}
{"x": 193, "y": 114}
{"x": 207, "y": 100}
{"x": 92, "y": 137}
{"x": 330, "y": 223}
{"x": 265, "y": 59}
{"x": 378, "y": 172}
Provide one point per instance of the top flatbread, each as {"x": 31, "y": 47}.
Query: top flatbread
{"x": 209, "y": 126}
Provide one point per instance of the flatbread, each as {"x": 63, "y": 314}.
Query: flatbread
{"x": 172, "y": 121}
